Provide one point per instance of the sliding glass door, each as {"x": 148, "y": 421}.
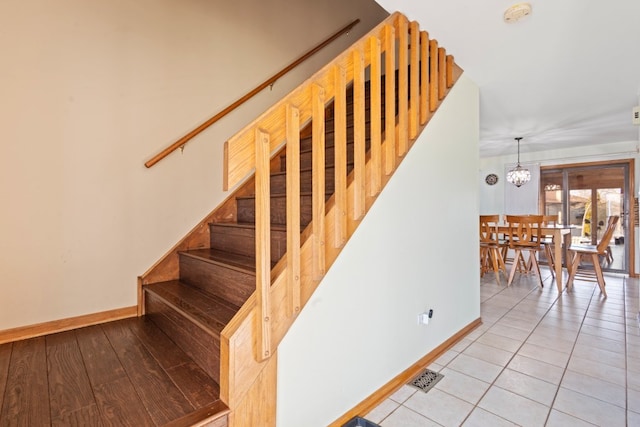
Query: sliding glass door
{"x": 585, "y": 197}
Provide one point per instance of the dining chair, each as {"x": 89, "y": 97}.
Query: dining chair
{"x": 491, "y": 246}
{"x": 523, "y": 238}
{"x": 547, "y": 242}
{"x": 594, "y": 252}
{"x": 506, "y": 256}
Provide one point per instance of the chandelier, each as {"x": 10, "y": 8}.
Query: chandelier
{"x": 518, "y": 176}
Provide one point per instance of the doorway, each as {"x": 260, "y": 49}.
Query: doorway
{"x": 584, "y": 196}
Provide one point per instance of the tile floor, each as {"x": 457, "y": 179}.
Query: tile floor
{"x": 537, "y": 360}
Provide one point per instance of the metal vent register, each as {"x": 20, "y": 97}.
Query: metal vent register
{"x": 426, "y": 380}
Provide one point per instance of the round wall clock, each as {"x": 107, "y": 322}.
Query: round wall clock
{"x": 491, "y": 179}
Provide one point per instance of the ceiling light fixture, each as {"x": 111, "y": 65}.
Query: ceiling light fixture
{"x": 517, "y": 12}
{"x": 518, "y": 176}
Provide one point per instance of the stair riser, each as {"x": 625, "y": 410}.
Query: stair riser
{"x": 329, "y": 140}
{"x": 279, "y": 182}
{"x": 232, "y": 285}
{"x": 246, "y": 210}
{"x": 306, "y": 142}
{"x": 329, "y": 158}
{"x": 242, "y": 241}
{"x": 306, "y": 134}
{"x": 349, "y": 98}
{"x": 203, "y": 348}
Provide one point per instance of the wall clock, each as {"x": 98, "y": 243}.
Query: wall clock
{"x": 491, "y": 179}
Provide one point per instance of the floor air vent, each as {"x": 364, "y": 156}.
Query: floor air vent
{"x": 426, "y": 380}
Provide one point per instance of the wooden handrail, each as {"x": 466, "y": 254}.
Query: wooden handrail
{"x": 182, "y": 141}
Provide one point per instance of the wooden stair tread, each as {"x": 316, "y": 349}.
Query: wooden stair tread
{"x": 246, "y": 225}
{"x": 284, "y": 172}
{"x": 329, "y": 143}
{"x": 228, "y": 259}
{"x": 280, "y": 195}
{"x": 210, "y": 312}
{"x": 327, "y": 147}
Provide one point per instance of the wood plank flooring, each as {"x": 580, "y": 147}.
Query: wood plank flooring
{"x": 123, "y": 373}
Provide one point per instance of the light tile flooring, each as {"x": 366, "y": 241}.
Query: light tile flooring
{"x": 537, "y": 360}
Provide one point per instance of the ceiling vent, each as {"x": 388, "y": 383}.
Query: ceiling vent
{"x": 636, "y": 116}
{"x": 517, "y": 12}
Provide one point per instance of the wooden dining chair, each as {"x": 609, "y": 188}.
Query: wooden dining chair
{"x": 523, "y": 238}
{"x": 578, "y": 252}
{"x": 506, "y": 256}
{"x": 547, "y": 242}
{"x": 491, "y": 246}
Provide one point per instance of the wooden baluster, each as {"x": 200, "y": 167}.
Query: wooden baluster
{"x": 359, "y": 136}
{"x": 375, "y": 101}
{"x": 263, "y": 243}
{"x": 293, "y": 209}
{"x": 403, "y": 89}
{"x": 414, "y": 50}
{"x": 450, "y": 63}
{"x": 318, "y": 179}
{"x": 442, "y": 72}
{"x": 424, "y": 77}
{"x": 433, "y": 75}
{"x": 390, "y": 99}
{"x": 340, "y": 160}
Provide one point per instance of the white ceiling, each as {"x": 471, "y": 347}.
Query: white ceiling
{"x": 567, "y": 75}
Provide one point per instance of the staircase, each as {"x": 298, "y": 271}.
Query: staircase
{"x": 226, "y": 299}
{"x": 215, "y": 282}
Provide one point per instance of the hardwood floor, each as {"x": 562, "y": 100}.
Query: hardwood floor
{"x": 124, "y": 373}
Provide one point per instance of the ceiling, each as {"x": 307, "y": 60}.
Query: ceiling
{"x": 567, "y": 75}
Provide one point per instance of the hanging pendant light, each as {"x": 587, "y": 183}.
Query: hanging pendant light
{"x": 518, "y": 176}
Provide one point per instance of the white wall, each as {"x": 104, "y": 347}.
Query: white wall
{"x": 90, "y": 90}
{"x": 410, "y": 254}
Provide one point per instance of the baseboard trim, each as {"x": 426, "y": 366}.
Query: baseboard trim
{"x": 31, "y": 331}
{"x": 388, "y": 389}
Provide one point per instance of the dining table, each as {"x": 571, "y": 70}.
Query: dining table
{"x": 561, "y": 242}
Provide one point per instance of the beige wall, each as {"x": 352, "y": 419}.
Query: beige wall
{"x": 89, "y": 90}
{"x": 410, "y": 254}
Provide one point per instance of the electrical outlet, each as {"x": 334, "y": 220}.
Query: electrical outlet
{"x": 423, "y": 318}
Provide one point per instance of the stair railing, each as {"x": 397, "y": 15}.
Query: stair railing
{"x": 269, "y": 82}
{"x": 424, "y": 75}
